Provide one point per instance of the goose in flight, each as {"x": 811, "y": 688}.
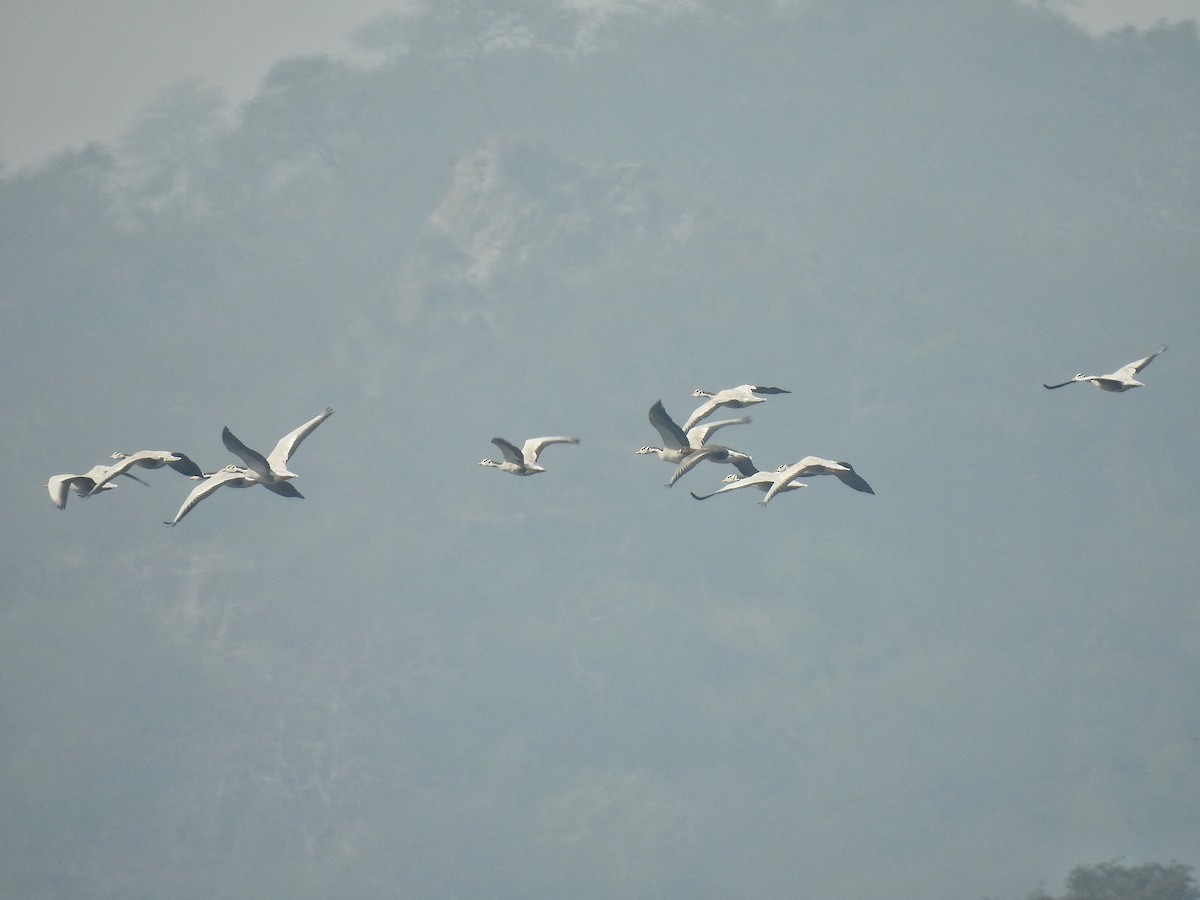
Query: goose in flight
{"x": 231, "y": 476}
{"x": 762, "y": 481}
{"x": 741, "y": 396}
{"x": 814, "y": 465}
{"x": 525, "y": 460}
{"x": 270, "y": 471}
{"x": 1120, "y": 380}
{"x": 91, "y": 482}
{"x": 149, "y": 459}
{"x": 677, "y": 444}
{"x": 717, "y": 453}
{"x": 273, "y": 469}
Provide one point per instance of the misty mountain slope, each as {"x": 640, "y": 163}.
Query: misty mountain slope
{"x": 430, "y": 679}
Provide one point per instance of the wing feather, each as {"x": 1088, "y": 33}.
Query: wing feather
{"x": 185, "y": 466}
{"x": 110, "y": 472}
{"x": 703, "y": 411}
{"x": 510, "y": 450}
{"x": 254, "y": 460}
{"x": 206, "y": 487}
{"x": 290, "y": 443}
{"x": 698, "y": 435}
{"x": 534, "y": 446}
{"x": 672, "y": 435}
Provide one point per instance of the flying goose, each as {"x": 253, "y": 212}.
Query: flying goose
{"x": 231, "y": 476}
{"x": 677, "y": 444}
{"x": 525, "y": 460}
{"x": 763, "y": 481}
{"x": 273, "y": 469}
{"x": 814, "y": 465}
{"x": 717, "y": 453}
{"x": 270, "y": 471}
{"x": 738, "y": 397}
{"x": 1118, "y": 381}
{"x": 91, "y": 482}
{"x": 149, "y": 459}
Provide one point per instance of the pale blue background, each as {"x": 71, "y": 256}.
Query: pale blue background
{"x": 430, "y": 679}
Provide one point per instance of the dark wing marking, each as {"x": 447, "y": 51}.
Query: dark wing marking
{"x": 254, "y": 460}
{"x": 671, "y": 433}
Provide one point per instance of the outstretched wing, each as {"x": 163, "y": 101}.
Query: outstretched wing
{"x": 60, "y": 486}
{"x": 289, "y": 443}
{"x": 104, "y": 474}
{"x": 283, "y": 489}
{"x": 852, "y": 479}
{"x": 206, "y": 487}
{"x": 743, "y": 464}
{"x": 698, "y": 436}
{"x": 254, "y": 460}
{"x": 761, "y": 480}
{"x": 715, "y": 453}
{"x": 534, "y": 446}
{"x": 703, "y": 411}
{"x": 1051, "y": 387}
{"x": 184, "y": 465}
{"x": 671, "y": 433}
{"x": 759, "y": 389}
{"x": 783, "y": 479}
{"x": 510, "y": 450}
{"x": 1134, "y": 367}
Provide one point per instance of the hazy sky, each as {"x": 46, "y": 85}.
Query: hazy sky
{"x": 428, "y": 679}
{"x": 74, "y": 73}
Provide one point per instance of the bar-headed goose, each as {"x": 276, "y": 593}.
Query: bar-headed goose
{"x": 738, "y": 397}
{"x": 273, "y": 469}
{"x": 762, "y": 481}
{"x": 93, "y": 481}
{"x": 843, "y": 471}
{"x": 676, "y": 443}
{"x": 814, "y": 465}
{"x": 1118, "y": 381}
{"x": 524, "y": 461}
{"x": 150, "y": 459}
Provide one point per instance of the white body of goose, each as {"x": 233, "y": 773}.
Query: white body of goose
{"x": 93, "y": 481}
{"x": 762, "y": 481}
{"x": 1118, "y": 381}
{"x": 523, "y": 461}
{"x": 814, "y": 465}
{"x": 676, "y": 443}
{"x": 738, "y": 397}
{"x": 149, "y": 459}
{"x": 273, "y": 469}
{"x": 843, "y": 471}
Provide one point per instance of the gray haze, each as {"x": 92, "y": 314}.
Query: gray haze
{"x": 428, "y": 679}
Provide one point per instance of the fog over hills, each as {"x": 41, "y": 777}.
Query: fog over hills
{"x": 428, "y": 679}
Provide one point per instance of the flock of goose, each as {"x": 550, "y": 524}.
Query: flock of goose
{"x": 685, "y": 447}
{"x": 270, "y": 471}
